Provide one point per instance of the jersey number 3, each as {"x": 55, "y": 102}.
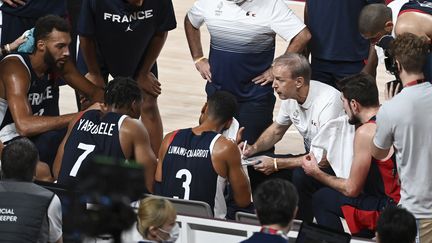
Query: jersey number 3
{"x": 186, "y": 183}
{"x": 88, "y": 148}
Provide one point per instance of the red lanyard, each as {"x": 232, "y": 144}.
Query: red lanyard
{"x": 271, "y": 231}
{"x": 412, "y": 83}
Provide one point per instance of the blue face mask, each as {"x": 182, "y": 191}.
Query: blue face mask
{"x": 173, "y": 234}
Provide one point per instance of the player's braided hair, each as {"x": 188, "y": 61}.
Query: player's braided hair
{"x": 121, "y": 92}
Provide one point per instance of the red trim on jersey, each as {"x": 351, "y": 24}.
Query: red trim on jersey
{"x": 411, "y": 10}
{"x": 172, "y": 137}
{"x": 79, "y": 116}
{"x": 390, "y": 180}
{"x": 358, "y": 219}
{"x": 388, "y": 174}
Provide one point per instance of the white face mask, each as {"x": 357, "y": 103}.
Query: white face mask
{"x": 173, "y": 234}
{"x": 236, "y": 1}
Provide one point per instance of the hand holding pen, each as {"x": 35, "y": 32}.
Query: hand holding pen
{"x": 247, "y": 150}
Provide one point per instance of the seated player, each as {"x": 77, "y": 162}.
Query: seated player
{"x": 195, "y": 163}
{"x": 113, "y": 131}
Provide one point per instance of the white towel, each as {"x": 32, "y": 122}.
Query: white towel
{"x": 231, "y": 132}
{"x": 336, "y": 141}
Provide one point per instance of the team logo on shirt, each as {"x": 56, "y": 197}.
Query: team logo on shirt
{"x": 314, "y": 123}
{"x": 128, "y": 29}
{"x": 295, "y": 117}
{"x": 250, "y": 13}
{"x": 38, "y": 98}
{"x": 128, "y": 18}
{"x": 218, "y": 11}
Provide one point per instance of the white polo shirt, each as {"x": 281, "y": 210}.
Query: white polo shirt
{"x": 243, "y": 40}
{"x": 322, "y": 104}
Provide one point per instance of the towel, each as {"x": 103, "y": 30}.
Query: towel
{"x": 231, "y": 132}
{"x": 336, "y": 141}
{"x": 28, "y": 45}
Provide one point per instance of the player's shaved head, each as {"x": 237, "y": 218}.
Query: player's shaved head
{"x": 222, "y": 106}
{"x": 373, "y": 18}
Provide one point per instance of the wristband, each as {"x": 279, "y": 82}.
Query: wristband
{"x": 275, "y": 164}
{"x": 199, "y": 59}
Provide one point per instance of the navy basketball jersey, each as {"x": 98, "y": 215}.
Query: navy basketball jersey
{"x": 425, "y": 7}
{"x": 123, "y": 32}
{"x": 43, "y": 96}
{"x": 422, "y": 6}
{"x": 95, "y": 133}
{"x": 188, "y": 173}
{"x": 382, "y": 179}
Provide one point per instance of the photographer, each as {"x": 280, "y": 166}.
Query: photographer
{"x": 403, "y": 123}
{"x": 377, "y": 21}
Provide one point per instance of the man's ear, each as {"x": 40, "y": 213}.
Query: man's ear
{"x": 40, "y": 45}
{"x": 136, "y": 107}
{"x": 398, "y": 66}
{"x": 388, "y": 26}
{"x": 299, "y": 82}
{"x": 354, "y": 105}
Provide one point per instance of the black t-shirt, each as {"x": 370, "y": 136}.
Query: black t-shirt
{"x": 123, "y": 32}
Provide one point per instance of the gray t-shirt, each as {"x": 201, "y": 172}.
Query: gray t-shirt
{"x": 406, "y": 122}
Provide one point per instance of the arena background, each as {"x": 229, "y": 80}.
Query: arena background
{"x": 183, "y": 88}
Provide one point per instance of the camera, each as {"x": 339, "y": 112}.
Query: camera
{"x": 109, "y": 185}
{"x": 390, "y": 62}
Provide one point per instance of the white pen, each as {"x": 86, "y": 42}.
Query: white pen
{"x": 244, "y": 147}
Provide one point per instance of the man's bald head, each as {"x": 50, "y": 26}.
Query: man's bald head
{"x": 373, "y": 19}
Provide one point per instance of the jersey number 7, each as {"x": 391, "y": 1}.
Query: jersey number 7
{"x": 88, "y": 148}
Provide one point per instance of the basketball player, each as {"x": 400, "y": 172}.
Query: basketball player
{"x": 372, "y": 184}
{"x": 112, "y": 131}
{"x": 194, "y": 163}
{"x": 29, "y": 90}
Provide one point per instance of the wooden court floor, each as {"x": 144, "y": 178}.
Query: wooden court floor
{"x": 183, "y": 88}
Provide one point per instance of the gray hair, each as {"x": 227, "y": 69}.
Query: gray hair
{"x": 296, "y": 63}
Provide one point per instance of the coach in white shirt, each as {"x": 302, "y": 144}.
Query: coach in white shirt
{"x": 306, "y": 103}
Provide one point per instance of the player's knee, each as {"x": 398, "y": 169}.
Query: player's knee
{"x": 323, "y": 199}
